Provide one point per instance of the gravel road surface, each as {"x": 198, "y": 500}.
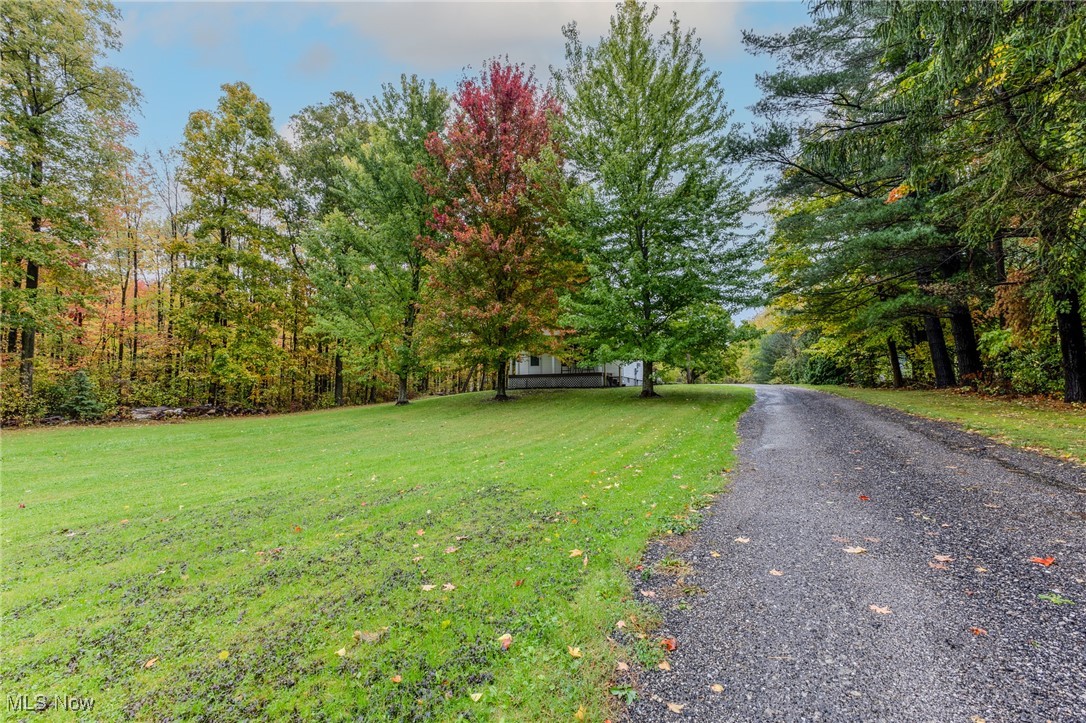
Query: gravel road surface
{"x": 779, "y": 616}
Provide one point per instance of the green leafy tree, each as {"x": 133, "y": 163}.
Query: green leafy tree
{"x": 368, "y": 260}
{"x": 63, "y": 113}
{"x": 647, "y": 135}
{"x": 237, "y": 285}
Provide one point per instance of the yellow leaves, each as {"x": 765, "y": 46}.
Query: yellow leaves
{"x": 664, "y": 665}
{"x": 580, "y": 714}
{"x": 714, "y": 553}
{"x": 857, "y": 550}
{"x": 397, "y": 678}
{"x": 676, "y": 707}
{"x": 574, "y": 652}
{"x": 151, "y": 663}
{"x": 899, "y": 192}
{"x": 342, "y": 652}
{"x": 716, "y": 688}
{"x": 505, "y": 641}
{"x": 575, "y": 553}
{"x": 224, "y": 654}
{"x": 476, "y": 697}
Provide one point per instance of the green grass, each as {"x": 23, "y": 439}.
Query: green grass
{"x": 1051, "y": 427}
{"x": 242, "y": 554}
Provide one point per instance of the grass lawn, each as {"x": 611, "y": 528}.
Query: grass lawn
{"x": 1051, "y": 427}
{"x": 217, "y": 570}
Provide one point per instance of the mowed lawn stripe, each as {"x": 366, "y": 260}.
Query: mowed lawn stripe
{"x": 243, "y": 554}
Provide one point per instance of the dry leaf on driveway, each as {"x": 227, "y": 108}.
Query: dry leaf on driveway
{"x": 881, "y": 610}
{"x": 676, "y": 707}
{"x": 775, "y": 572}
{"x": 857, "y": 550}
{"x": 716, "y": 688}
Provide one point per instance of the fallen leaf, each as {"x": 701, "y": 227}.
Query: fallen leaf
{"x": 1046, "y": 561}
{"x": 664, "y": 665}
{"x": 428, "y": 588}
{"x": 842, "y": 540}
{"x": 648, "y": 593}
{"x": 622, "y": 667}
{"x": 676, "y": 707}
{"x": 224, "y": 654}
{"x": 460, "y": 538}
{"x": 357, "y": 635}
{"x": 620, "y": 624}
{"x": 397, "y": 679}
{"x": 864, "y": 498}
{"x": 716, "y": 688}
{"x": 872, "y": 539}
{"x": 416, "y": 558}
{"x": 341, "y": 652}
{"x": 976, "y": 719}
{"x": 371, "y": 636}
{"x": 575, "y": 553}
{"x": 476, "y": 697}
{"x": 22, "y": 506}
{"x": 978, "y": 631}
{"x": 880, "y": 609}
{"x": 448, "y": 587}
{"x": 742, "y": 540}
{"x": 943, "y": 558}
{"x": 451, "y": 549}
{"x": 575, "y": 652}
{"x": 518, "y": 583}
{"x": 124, "y": 522}
{"x": 855, "y": 550}
{"x": 937, "y": 566}
{"x": 506, "y": 640}
{"x": 980, "y": 569}
{"x": 668, "y": 644}
{"x": 714, "y": 553}
{"x": 297, "y": 528}
{"x": 150, "y": 663}
{"x": 580, "y": 714}
{"x": 775, "y": 573}
{"x": 420, "y": 532}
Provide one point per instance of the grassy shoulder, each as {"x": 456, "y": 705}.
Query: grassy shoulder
{"x": 357, "y": 562}
{"x": 1050, "y": 427}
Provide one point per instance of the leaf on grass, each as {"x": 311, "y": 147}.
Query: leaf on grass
{"x": 151, "y": 663}
{"x": 451, "y": 549}
{"x": 580, "y": 714}
{"x": 978, "y": 631}
{"x": 669, "y": 644}
{"x": 716, "y": 688}
{"x": 476, "y": 697}
{"x": 428, "y": 588}
{"x": 676, "y": 707}
{"x": 460, "y": 538}
{"x": 506, "y": 640}
{"x": 742, "y": 540}
{"x": 664, "y": 665}
{"x": 124, "y": 522}
{"x": 518, "y": 583}
{"x": 373, "y": 636}
{"x": 297, "y": 529}
{"x": 574, "y": 652}
{"x": 1046, "y": 561}
{"x": 857, "y": 550}
{"x": 341, "y": 652}
{"x": 448, "y": 587}
{"x": 620, "y": 624}
{"x": 622, "y": 667}
{"x": 224, "y": 654}
{"x": 880, "y": 609}
{"x": 397, "y": 678}
{"x": 575, "y": 553}
{"x": 420, "y": 532}
{"x": 775, "y": 572}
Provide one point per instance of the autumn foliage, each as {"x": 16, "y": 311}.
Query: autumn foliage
{"x": 497, "y": 259}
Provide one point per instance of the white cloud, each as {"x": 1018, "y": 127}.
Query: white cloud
{"x": 438, "y": 36}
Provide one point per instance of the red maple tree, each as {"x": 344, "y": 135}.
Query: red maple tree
{"x": 498, "y": 258}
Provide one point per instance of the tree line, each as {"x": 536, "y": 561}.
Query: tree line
{"x": 931, "y": 202}
{"x": 413, "y": 242}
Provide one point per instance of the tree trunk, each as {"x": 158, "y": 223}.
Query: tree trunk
{"x": 1072, "y": 343}
{"x": 401, "y": 390}
{"x": 690, "y": 378}
{"x": 895, "y": 363}
{"x": 500, "y": 385}
{"x": 339, "y": 380}
{"x": 940, "y": 359}
{"x": 965, "y": 342}
{"x": 647, "y": 389}
{"x": 26, "y": 367}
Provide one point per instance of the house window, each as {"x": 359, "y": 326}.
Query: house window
{"x": 533, "y": 361}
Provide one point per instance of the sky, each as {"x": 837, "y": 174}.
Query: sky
{"x": 294, "y": 54}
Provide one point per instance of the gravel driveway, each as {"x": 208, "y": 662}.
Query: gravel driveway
{"x": 940, "y": 617}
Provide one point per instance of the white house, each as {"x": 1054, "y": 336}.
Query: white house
{"x": 549, "y": 372}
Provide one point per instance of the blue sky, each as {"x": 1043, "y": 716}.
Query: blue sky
{"x": 294, "y": 54}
